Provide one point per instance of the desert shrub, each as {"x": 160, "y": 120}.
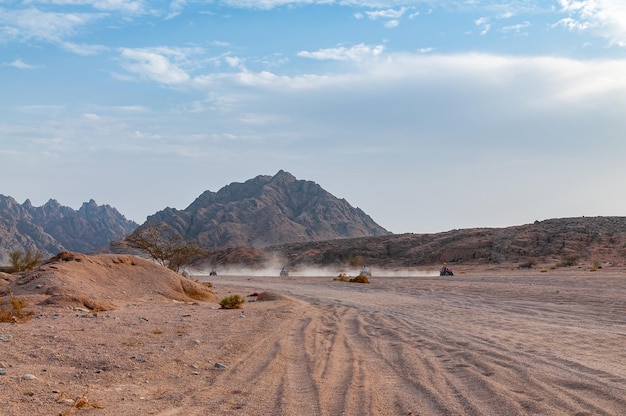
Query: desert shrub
{"x": 360, "y": 279}
{"x": 23, "y": 261}
{"x": 232, "y": 302}
{"x": 78, "y": 403}
{"x": 568, "y": 260}
{"x": 342, "y": 277}
{"x": 528, "y": 264}
{"x": 16, "y": 312}
{"x": 596, "y": 266}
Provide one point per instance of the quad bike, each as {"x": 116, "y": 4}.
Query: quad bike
{"x": 445, "y": 272}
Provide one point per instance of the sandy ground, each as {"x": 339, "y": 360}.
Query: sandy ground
{"x": 484, "y": 342}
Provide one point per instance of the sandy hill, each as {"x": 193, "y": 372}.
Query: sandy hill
{"x": 102, "y": 282}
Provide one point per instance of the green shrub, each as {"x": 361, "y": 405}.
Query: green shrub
{"x": 232, "y": 302}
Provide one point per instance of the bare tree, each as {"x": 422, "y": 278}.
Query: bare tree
{"x": 164, "y": 246}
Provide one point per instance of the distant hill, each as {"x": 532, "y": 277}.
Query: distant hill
{"x": 52, "y": 227}
{"x": 267, "y": 210}
{"x": 564, "y": 241}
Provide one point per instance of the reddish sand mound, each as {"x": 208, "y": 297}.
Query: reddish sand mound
{"x": 102, "y": 281}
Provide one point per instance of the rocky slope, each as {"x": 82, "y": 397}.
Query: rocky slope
{"x": 52, "y": 227}
{"x": 267, "y": 210}
{"x": 565, "y": 241}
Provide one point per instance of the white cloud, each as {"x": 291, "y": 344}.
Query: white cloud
{"x": 126, "y": 6}
{"x": 386, "y": 14}
{"x": 83, "y": 49}
{"x": 176, "y": 7}
{"x": 163, "y": 65}
{"x": 270, "y": 4}
{"x": 516, "y": 28}
{"x": 234, "y": 62}
{"x": 356, "y": 53}
{"x": 18, "y": 63}
{"x": 605, "y": 18}
{"x": 32, "y": 23}
{"x": 483, "y": 24}
{"x": 392, "y": 23}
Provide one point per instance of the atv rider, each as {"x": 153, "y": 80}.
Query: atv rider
{"x": 445, "y": 271}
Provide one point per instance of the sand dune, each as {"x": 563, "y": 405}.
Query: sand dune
{"x": 480, "y": 343}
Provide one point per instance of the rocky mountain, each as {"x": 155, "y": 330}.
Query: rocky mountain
{"x": 267, "y": 210}
{"x": 52, "y": 227}
{"x": 562, "y": 241}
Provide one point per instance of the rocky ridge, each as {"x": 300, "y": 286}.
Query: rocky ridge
{"x": 53, "y": 228}
{"x": 567, "y": 241}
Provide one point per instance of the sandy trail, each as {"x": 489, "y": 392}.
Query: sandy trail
{"x": 426, "y": 346}
{"x": 507, "y": 343}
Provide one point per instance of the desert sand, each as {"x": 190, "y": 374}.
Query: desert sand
{"x": 484, "y": 342}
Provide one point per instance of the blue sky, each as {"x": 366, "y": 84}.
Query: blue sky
{"x": 427, "y": 115}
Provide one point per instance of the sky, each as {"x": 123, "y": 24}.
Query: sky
{"x": 427, "y": 115}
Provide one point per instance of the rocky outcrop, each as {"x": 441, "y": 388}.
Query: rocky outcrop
{"x": 52, "y": 227}
{"x": 565, "y": 240}
{"x": 267, "y": 210}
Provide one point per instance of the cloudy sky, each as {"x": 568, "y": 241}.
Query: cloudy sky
{"x": 427, "y": 115}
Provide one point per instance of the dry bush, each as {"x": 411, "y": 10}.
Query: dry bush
{"x": 78, "y": 403}
{"x": 568, "y": 260}
{"x": 23, "y": 261}
{"x": 269, "y": 296}
{"x": 16, "y": 313}
{"x": 197, "y": 291}
{"x": 360, "y": 279}
{"x": 232, "y": 302}
{"x": 342, "y": 277}
{"x": 528, "y": 264}
{"x": 597, "y": 265}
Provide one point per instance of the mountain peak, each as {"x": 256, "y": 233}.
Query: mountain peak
{"x": 53, "y": 227}
{"x": 268, "y": 210}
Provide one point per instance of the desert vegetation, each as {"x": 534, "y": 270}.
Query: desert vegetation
{"x": 234, "y": 301}
{"x": 342, "y": 277}
{"x": 164, "y": 246}
{"x": 568, "y": 260}
{"x": 24, "y": 261}
{"x": 14, "y": 311}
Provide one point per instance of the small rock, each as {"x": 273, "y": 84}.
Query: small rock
{"x": 5, "y": 338}
{"x": 29, "y": 377}
{"x": 219, "y": 365}
{"x": 3, "y": 371}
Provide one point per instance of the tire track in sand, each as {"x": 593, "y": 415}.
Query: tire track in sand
{"x": 378, "y": 351}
